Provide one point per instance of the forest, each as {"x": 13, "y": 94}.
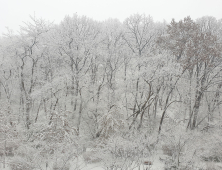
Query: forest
{"x": 110, "y": 95}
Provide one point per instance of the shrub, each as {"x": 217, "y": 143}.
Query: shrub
{"x": 61, "y": 166}
{"x": 21, "y": 164}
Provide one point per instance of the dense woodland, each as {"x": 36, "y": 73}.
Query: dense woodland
{"x": 117, "y": 94}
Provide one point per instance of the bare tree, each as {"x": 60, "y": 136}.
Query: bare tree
{"x": 77, "y": 39}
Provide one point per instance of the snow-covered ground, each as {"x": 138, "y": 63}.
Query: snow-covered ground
{"x": 157, "y": 164}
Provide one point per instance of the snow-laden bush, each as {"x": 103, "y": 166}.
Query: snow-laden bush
{"x": 21, "y": 163}
{"x": 212, "y": 146}
{"x": 125, "y": 150}
{"x": 61, "y": 166}
{"x": 111, "y": 122}
{"x": 182, "y": 148}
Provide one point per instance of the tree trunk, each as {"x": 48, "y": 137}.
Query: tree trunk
{"x": 196, "y": 108}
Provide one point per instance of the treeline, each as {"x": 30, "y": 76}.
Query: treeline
{"x": 60, "y": 83}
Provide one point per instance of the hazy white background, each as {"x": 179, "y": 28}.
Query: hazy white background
{"x": 14, "y": 12}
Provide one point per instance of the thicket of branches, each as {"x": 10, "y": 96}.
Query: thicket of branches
{"x": 132, "y": 87}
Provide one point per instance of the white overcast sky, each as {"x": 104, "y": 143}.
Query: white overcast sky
{"x": 14, "y": 12}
